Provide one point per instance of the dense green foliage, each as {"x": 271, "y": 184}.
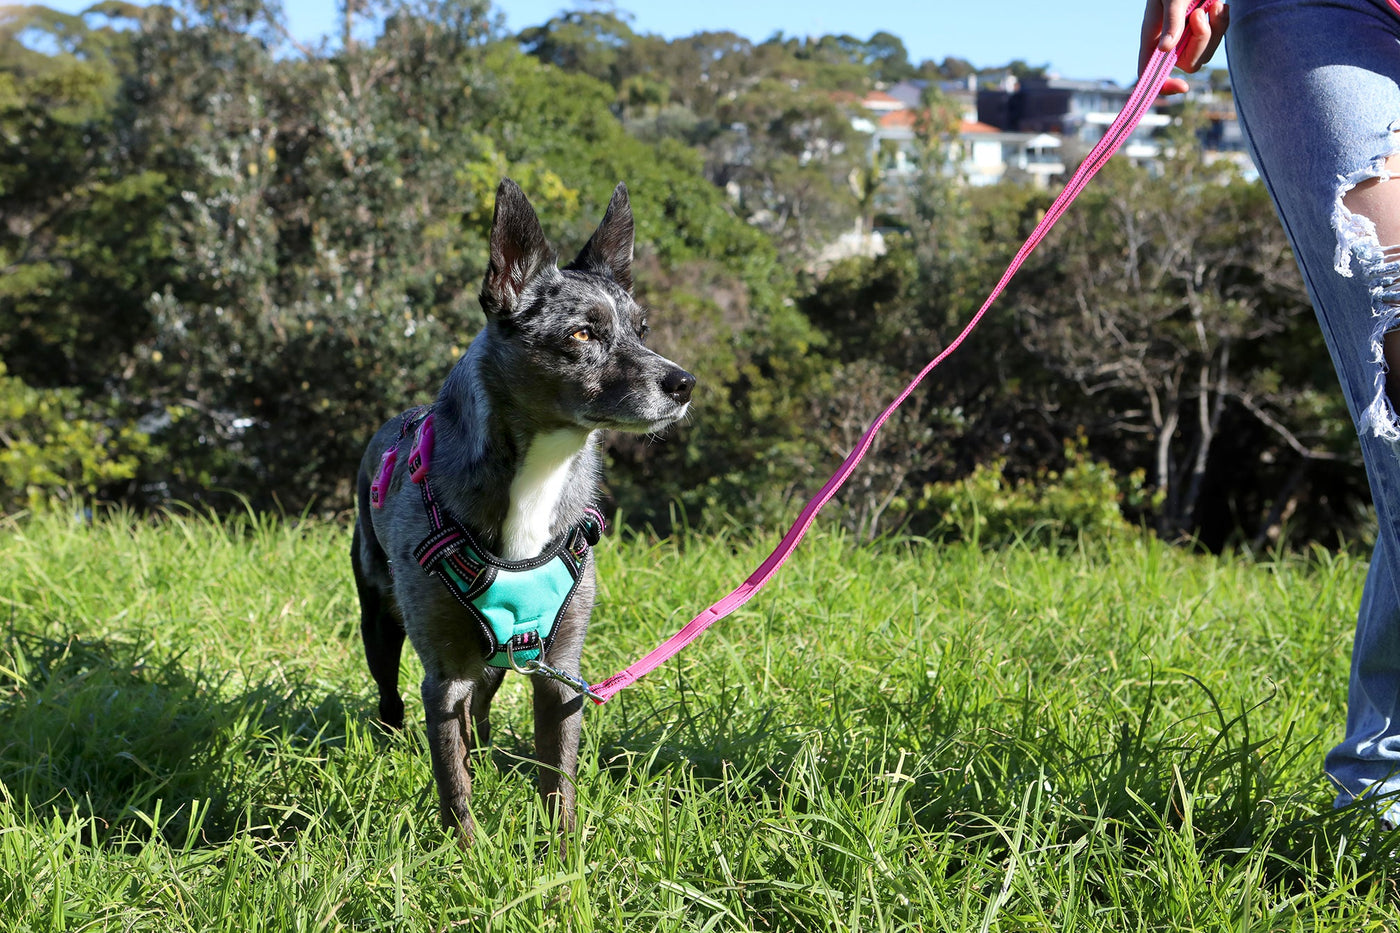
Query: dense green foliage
{"x": 320, "y": 223}
{"x": 1163, "y": 321}
{"x": 1116, "y": 736}
{"x": 226, "y": 258}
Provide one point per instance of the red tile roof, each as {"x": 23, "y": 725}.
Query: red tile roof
{"x": 879, "y": 100}
{"x": 898, "y": 118}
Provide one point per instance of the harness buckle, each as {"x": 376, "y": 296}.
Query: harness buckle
{"x": 587, "y": 533}
{"x": 535, "y": 666}
{"x": 379, "y": 489}
{"x": 525, "y": 641}
{"x": 422, "y": 453}
{"x": 594, "y": 526}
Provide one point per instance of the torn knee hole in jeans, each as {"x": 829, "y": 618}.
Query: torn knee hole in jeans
{"x": 1369, "y": 190}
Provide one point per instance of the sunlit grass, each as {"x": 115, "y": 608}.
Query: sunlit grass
{"x": 893, "y": 737}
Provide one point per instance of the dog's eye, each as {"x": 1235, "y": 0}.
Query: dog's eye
{"x": 643, "y": 331}
{"x": 583, "y": 335}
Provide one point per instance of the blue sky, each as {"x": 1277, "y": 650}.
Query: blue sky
{"x": 1075, "y": 40}
{"x": 1078, "y": 40}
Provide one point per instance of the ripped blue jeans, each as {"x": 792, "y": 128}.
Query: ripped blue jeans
{"x": 1316, "y": 88}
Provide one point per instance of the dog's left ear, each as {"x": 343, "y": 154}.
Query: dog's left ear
{"x": 609, "y": 250}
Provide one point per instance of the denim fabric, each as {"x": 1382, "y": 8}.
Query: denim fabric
{"x": 1316, "y": 87}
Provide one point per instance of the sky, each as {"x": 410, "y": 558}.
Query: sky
{"x": 1084, "y": 42}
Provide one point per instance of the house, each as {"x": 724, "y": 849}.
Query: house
{"x": 1220, "y": 133}
{"x": 962, "y": 94}
{"x": 1079, "y": 112}
{"x": 978, "y": 153}
{"x": 987, "y": 155}
{"x": 1032, "y": 131}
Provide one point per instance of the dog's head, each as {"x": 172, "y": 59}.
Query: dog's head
{"x": 573, "y": 339}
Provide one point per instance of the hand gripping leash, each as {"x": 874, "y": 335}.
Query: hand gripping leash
{"x": 1148, "y": 86}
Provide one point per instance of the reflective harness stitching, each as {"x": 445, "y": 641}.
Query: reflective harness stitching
{"x": 517, "y": 605}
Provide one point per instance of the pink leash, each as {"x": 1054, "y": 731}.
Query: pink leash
{"x": 1146, "y": 91}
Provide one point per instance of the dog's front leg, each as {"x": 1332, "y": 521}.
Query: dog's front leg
{"x": 558, "y": 722}
{"x": 447, "y": 703}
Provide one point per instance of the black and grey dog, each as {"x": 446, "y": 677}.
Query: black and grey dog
{"x": 475, "y": 514}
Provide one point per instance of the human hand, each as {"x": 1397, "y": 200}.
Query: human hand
{"x": 1164, "y": 23}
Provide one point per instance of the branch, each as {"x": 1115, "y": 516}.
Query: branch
{"x": 1288, "y": 436}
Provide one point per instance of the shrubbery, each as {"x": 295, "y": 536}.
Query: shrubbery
{"x": 55, "y": 446}
{"x": 316, "y": 235}
{"x": 1082, "y": 499}
{"x": 228, "y": 259}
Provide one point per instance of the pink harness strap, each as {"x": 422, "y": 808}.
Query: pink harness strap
{"x": 379, "y": 489}
{"x": 1146, "y": 91}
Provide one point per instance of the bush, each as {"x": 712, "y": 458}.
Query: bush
{"x": 55, "y": 446}
{"x": 1082, "y": 499}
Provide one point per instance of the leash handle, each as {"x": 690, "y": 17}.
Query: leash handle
{"x": 1149, "y": 85}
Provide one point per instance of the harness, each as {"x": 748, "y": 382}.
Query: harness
{"x": 516, "y": 604}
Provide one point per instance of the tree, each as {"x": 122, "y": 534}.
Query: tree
{"x": 80, "y": 243}
{"x": 952, "y": 69}
{"x": 887, "y": 58}
{"x": 789, "y": 155}
{"x": 1174, "y": 305}
{"x": 885, "y": 318}
{"x": 591, "y": 42}
{"x": 312, "y": 234}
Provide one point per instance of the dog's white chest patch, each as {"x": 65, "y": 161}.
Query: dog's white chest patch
{"x": 534, "y": 493}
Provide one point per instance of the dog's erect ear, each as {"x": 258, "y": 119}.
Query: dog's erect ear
{"x": 519, "y": 251}
{"x": 609, "y": 251}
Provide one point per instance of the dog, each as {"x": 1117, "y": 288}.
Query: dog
{"x": 475, "y": 515}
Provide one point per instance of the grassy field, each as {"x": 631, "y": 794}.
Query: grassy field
{"x": 903, "y": 737}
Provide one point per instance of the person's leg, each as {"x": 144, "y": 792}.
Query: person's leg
{"x": 1315, "y": 86}
{"x": 1370, "y": 228}
{"x": 1377, "y": 201}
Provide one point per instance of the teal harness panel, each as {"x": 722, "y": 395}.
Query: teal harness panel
{"x": 527, "y": 603}
{"x": 517, "y": 604}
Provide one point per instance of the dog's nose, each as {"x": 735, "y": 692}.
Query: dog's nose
{"x": 677, "y": 383}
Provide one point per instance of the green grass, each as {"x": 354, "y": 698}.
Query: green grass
{"x": 902, "y": 737}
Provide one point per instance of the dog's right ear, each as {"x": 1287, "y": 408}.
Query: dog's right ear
{"x": 519, "y": 251}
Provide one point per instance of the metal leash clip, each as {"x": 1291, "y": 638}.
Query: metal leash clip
{"x": 535, "y": 666}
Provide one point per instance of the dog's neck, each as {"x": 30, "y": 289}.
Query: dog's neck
{"x": 513, "y": 482}
{"x": 542, "y": 480}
